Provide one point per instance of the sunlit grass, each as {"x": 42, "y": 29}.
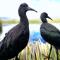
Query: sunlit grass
{"x": 37, "y": 51}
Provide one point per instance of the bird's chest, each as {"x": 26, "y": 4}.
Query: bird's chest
{"x": 22, "y": 40}
{"x": 19, "y": 44}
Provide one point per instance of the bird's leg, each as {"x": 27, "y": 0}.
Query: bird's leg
{"x": 16, "y": 58}
{"x": 57, "y": 53}
{"x": 50, "y": 52}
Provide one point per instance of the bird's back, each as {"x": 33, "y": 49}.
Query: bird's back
{"x": 51, "y": 34}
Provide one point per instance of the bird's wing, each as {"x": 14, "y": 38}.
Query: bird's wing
{"x": 13, "y": 34}
{"x": 50, "y": 34}
{"x": 50, "y": 30}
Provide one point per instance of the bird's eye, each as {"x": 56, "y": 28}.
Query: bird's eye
{"x": 24, "y": 6}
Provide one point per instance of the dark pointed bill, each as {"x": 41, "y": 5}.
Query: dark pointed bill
{"x": 49, "y": 17}
{"x": 31, "y": 9}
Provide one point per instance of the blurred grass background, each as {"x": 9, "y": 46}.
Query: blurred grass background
{"x": 32, "y": 21}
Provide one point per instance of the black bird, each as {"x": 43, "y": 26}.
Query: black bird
{"x": 50, "y": 33}
{"x": 17, "y": 38}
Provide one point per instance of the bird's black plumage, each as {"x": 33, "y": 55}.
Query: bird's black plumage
{"x": 49, "y": 32}
{"x": 17, "y": 38}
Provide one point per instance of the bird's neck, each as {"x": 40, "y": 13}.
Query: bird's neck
{"x": 24, "y": 21}
{"x": 44, "y": 20}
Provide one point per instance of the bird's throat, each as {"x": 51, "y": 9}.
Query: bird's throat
{"x": 24, "y": 21}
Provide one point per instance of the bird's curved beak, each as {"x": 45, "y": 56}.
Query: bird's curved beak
{"x": 49, "y": 17}
{"x": 31, "y": 9}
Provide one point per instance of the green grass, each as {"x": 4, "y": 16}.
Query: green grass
{"x": 32, "y": 21}
{"x": 17, "y": 21}
{"x": 10, "y": 22}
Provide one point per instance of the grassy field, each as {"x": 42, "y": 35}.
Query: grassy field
{"x": 33, "y": 21}
{"x": 37, "y": 51}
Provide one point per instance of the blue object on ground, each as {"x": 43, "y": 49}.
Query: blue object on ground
{"x": 35, "y": 36}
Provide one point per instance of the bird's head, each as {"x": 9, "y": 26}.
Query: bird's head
{"x": 43, "y": 17}
{"x": 24, "y": 8}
